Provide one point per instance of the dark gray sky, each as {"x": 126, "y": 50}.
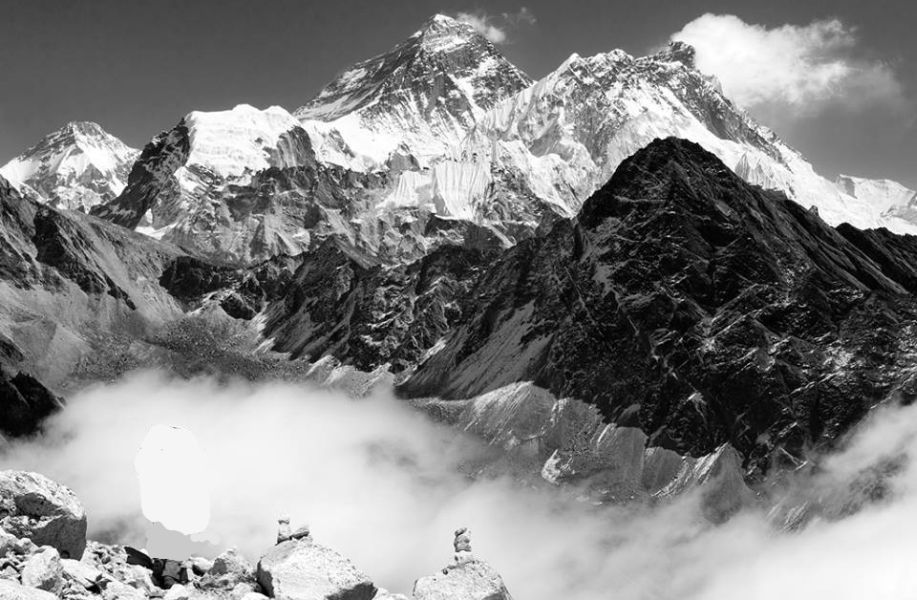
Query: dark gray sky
{"x": 137, "y": 67}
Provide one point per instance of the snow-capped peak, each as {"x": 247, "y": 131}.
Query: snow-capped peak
{"x": 422, "y": 96}
{"x": 440, "y": 24}
{"x": 78, "y": 166}
{"x": 239, "y": 140}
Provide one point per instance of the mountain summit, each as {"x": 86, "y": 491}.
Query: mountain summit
{"x": 427, "y": 92}
{"x": 76, "y": 167}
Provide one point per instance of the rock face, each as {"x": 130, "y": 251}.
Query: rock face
{"x": 568, "y": 441}
{"x": 304, "y": 570}
{"x": 44, "y": 511}
{"x": 24, "y": 403}
{"x": 696, "y": 307}
{"x": 76, "y": 167}
{"x": 369, "y": 315}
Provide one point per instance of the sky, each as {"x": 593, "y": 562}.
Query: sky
{"x": 836, "y": 79}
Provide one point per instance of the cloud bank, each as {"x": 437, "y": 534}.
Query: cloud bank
{"x": 496, "y": 28}
{"x": 386, "y": 487}
{"x": 801, "y": 68}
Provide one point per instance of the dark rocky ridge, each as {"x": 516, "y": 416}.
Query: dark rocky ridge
{"x": 368, "y": 314}
{"x": 701, "y": 309}
{"x": 24, "y": 404}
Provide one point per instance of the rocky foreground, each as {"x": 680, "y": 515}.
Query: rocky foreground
{"x": 44, "y": 554}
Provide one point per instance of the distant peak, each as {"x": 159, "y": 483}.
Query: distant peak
{"x": 84, "y": 128}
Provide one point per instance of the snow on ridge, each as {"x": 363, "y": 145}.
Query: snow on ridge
{"x": 235, "y": 141}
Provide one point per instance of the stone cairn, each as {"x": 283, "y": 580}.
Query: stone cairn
{"x": 285, "y": 533}
{"x": 462, "y": 546}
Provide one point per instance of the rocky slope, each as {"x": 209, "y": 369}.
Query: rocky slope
{"x": 76, "y": 167}
{"x": 69, "y": 283}
{"x": 694, "y": 306}
{"x": 372, "y": 315}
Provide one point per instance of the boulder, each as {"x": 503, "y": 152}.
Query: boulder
{"x": 304, "y": 570}
{"x": 200, "y": 565}
{"x": 32, "y": 506}
{"x": 8, "y": 543}
{"x": 10, "y": 590}
{"x": 84, "y": 575}
{"x": 231, "y": 563}
{"x": 469, "y": 580}
{"x": 43, "y": 570}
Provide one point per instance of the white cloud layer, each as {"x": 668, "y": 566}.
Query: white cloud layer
{"x": 386, "y": 487}
{"x": 803, "y": 68}
{"x": 496, "y": 28}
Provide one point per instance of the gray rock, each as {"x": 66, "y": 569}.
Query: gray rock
{"x": 44, "y": 511}
{"x": 304, "y": 570}
{"x": 10, "y": 590}
{"x": 469, "y": 580}
{"x": 200, "y": 565}
{"x": 83, "y": 574}
{"x": 44, "y": 571}
{"x": 8, "y": 543}
{"x": 115, "y": 590}
{"x": 231, "y": 563}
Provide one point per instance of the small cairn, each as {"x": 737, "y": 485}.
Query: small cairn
{"x": 462, "y": 546}
{"x": 286, "y": 533}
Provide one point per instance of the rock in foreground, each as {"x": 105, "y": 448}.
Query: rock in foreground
{"x": 303, "y": 570}
{"x": 46, "y": 512}
{"x": 470, "y": 580}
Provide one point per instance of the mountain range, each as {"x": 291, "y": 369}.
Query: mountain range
{"x": 617, "y": 236}
{"x": 440, "y": 133}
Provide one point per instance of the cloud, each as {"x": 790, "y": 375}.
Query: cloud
{"x": 802, "y": 68}
{"x": 386, "y": 487}
{"x": 523, "y": 16}
{"x": 496, "y": 28}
